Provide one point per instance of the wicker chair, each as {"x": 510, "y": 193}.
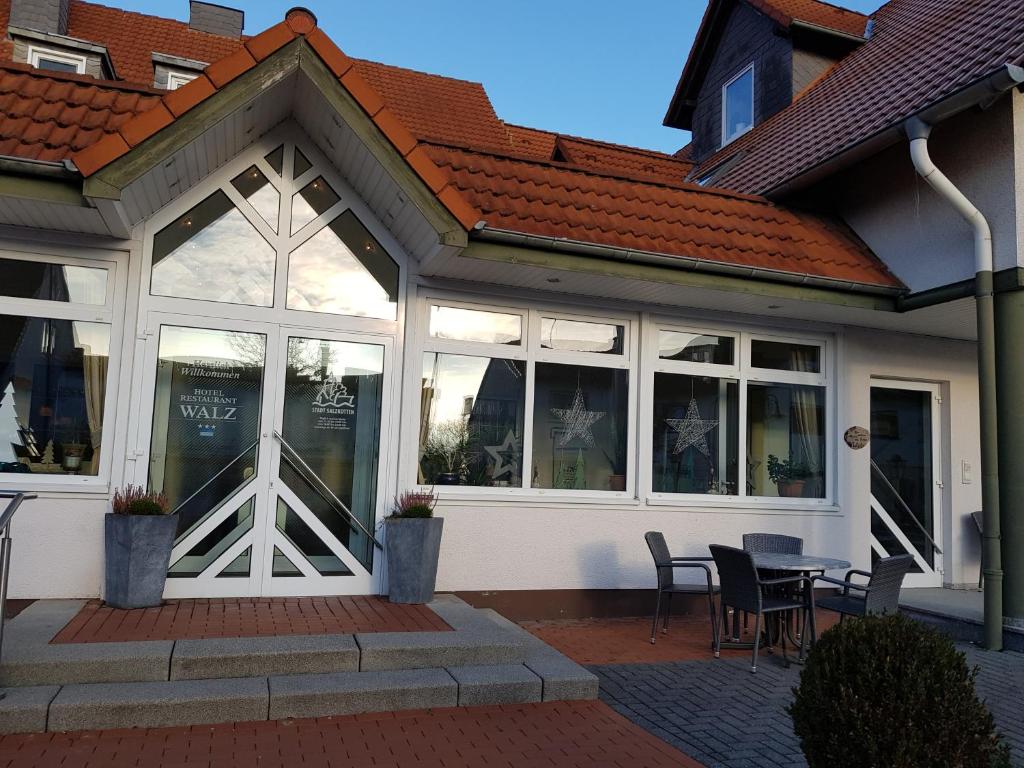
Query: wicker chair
{"x": 881, "y": 593}
{"x": 743, "y": 590}
{"x": 773, "y": 542}
{"x": 665, "y": 565}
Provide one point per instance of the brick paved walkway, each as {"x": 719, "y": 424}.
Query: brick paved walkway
{"x": 720, "y": 714}
{"x": 584, "y": 734}
{"x": 247, "y": 617}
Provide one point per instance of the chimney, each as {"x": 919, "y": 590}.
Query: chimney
{"x": 215, "y": 19}
{"x": 41, "y": 15}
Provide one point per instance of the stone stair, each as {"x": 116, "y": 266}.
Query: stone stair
{"x": 486, "y": 659}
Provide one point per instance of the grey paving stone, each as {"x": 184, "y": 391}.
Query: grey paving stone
{"x": 263, "y": 656}
{"x": 40, "y": 621}
{"x": 421, "y": 650}
{"x": 39, "y": 663}
{"x": 496, "y": 684}
{"x": 564, "y": 679}
{"x": 24, "y": 710}
{"x": 349, "y": 693}
{"x": 151, "y": 705}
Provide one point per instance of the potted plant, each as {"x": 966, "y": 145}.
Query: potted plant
{"x": 446, "y": 449}
{"x": 789, "y": 476}
{"x": 412, "y": 542}
{"x": 138, "y": 536}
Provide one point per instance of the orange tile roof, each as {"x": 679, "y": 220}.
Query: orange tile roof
{"x": 813, "y": 12}
{"x": 131, "y": 38}
{"x": 555, "y": 200}
{"x": 478, "y": 167}
{"x": 920, "y": 52}
{"x": 49, "y": 116}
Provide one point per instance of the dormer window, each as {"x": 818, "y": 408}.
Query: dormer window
{"x": 58, "y": 61}
{"x": 738, "y": 105}
{"x": 177, "y": 79}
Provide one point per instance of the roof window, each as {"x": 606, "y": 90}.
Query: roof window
{"x": 738, "y": 105}
{"x": 58, "y": 61}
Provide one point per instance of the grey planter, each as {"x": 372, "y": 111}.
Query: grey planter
{"x": 138, "y": 551}
{"x": 412, "y": 547}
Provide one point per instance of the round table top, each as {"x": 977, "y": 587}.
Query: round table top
{"x": 775, "y": 561}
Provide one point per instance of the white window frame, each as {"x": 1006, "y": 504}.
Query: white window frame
{"x": 35, "y": 53}
{"x": 176, "y": 79}
{"x": 111, "y": 312}
{"x": 726, "y": 138}
{"x": 529, "y": 351}
{"x": 742, "y": 372}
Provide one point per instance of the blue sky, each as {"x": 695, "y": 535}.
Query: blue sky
{"x": 599, "y": 69}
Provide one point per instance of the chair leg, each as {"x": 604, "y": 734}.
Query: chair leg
{"x": 757, "y": 642}
{"x": 657, "y": 613}
{"x": 718, "y": 635}
{"x": 714, "y": 623}
{"x": 668, "y": 611}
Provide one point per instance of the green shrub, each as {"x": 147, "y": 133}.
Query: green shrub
{"x": 414, "y": 504}
{"x": 136, "y": 500}
{"x": 145, "y": 507}
{"x": 889, "y": 692}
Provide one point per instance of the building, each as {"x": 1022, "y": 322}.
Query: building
{"x": 268, "y": 280}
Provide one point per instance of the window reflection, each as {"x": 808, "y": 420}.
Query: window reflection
{"x": 471, "y": 424}
{"x": 784, "y": 356}
{"x": 343, "y": 270}
{"x": 310, "y": 201}
{"x": 460, "y": 324}
{"x": 580, "y": 336}
{"x": 275, "y": 160}
{"x": 53, "y": 385}
{"x": 580, "y": 427}
{"x": 261, "y": 194}
{"x": 785, "y": 440}
{"x": 695, "y": 434}
{"x": 46, "y": 281}
{"x": 696, "y": 347}
{"x": 213, "y": 253}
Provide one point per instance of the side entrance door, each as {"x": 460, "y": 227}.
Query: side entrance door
{"x": 266, "y": 441}
{"x": 906, "y": 477}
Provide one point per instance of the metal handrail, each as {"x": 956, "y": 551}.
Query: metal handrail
{"x": 910, "y": 512}
{"x": 308, "y": 474}
{"x": 219, "y": 473}
{"x": 16, "y": 498}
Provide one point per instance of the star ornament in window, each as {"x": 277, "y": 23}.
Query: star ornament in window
{"x": 693, "y": 430}
{"x": 577, "y": 420}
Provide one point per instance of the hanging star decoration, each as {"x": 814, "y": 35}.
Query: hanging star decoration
{"x": 577, "y": 420}
{"x": 505, "y": 455}
{"x": 692, "y": 431}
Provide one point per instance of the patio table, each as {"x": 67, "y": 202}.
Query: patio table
{"x": 780, "y": 561}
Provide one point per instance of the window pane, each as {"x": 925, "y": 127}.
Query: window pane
{"x": 696, "y": 347}
{"x": 301, "y": 164}
{"x": 310, "y": 201}
{"x": 475, "y": 325}
{"x": 739, "y": 105}
{"x": 213, "y": 253}
{"x": 53, "y": 383}
{"x": 261, "y": 194}
{"x": 696, "y": 434}
{"x": 786, "y": 440}
{"x": 53, "y": 282}
{"x": 580, "y": 427}
{"x": 276, "y": 160}
{"x": 471, "y": 420}
{"x": 782, "y": 356}
{"x": 302, "y": 537}
{"x": 580, "y": 336}
{"x": 216, "y": 543}
{"x": 343, "y": 270}
{"x": 57, "y": 66}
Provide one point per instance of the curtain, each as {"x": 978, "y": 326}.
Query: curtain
{"x": 808, "y": 424}
{"x": 94, "y": 373}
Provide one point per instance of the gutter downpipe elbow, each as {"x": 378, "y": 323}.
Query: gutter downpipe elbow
{"x": 917, "y": 132}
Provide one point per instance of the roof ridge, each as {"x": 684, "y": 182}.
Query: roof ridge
{"x": 74, "y": 77}
{"x": 684, "y": 186}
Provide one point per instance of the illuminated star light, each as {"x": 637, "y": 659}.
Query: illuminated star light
{"x": 578, "y": 421}
{"x": 692, "y": 430}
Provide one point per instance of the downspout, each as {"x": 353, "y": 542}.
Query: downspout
{"x": 918, "y": 131}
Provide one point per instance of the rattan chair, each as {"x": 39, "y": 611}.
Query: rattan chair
{"x": 880, "y": 595}
{"x": 773, "y": 542}
{"x": 742, "y": 589}
{"x": 665, "y": 565}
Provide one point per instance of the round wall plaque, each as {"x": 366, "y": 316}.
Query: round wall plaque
{"x": 857, "y": 437}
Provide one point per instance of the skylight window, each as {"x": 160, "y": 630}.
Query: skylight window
{"x": 58, "y": 61}
{"x": 738, "y": 105}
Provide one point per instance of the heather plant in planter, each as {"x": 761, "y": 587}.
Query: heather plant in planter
{"x": 138, "y": 537}
{"x": 412, "y": 542}
{"x": 889, "y": 692}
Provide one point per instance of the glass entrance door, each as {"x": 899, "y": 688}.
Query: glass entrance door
{"x": 266, "y": 442}
{"x": 906, "y": 478}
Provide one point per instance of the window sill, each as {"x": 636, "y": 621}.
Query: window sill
{"x": 753, "y": 506}
{"x": 526, "y": 497}
{"x": 86, "y": 487}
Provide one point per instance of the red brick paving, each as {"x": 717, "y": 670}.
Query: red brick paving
{"x": 562, "y": 734}
{"x": 628, "y": 641}
{"x": 247, "y": 617}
